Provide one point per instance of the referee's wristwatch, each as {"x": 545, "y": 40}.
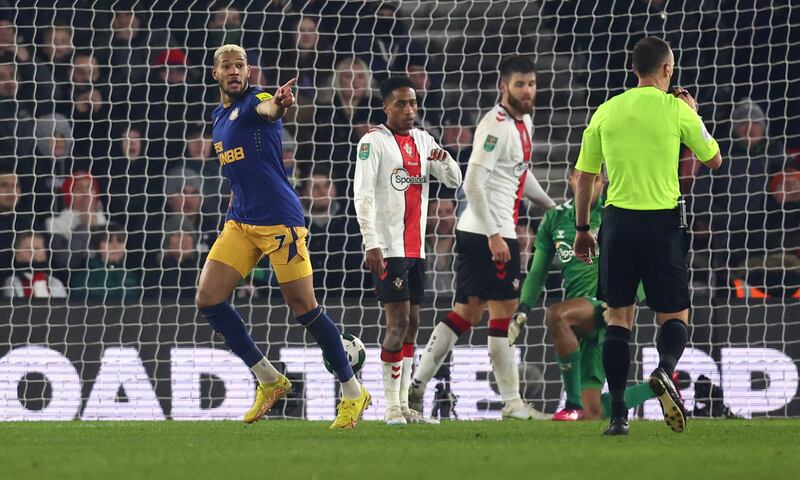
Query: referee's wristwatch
{"x": 583, "y": 228}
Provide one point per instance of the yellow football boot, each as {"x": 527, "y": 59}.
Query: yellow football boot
{"x": 349, "y": 412}
{"x": 266, "y": 396}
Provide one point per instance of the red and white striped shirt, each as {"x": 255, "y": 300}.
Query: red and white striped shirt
{"x": 503, "y": 147}
{"x": 391, "y": 189}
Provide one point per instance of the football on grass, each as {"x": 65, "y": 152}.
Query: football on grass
{"x": 354, "y": 349}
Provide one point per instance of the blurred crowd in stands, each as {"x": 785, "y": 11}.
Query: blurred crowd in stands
{"x": 109, "y": 189}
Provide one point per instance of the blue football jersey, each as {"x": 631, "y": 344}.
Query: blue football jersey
{"x": 249, "y": 149}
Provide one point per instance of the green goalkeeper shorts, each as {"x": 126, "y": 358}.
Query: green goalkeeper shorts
{"x": 593, "y": 374}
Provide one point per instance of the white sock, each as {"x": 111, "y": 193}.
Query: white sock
{"x": 351, "y": 389}
{"x": 505, "y": 368}
{"x": 405, "y": 378}
{"x": 441, "y": 342}
{"x": 265, "y": 372}
{"x": 392, "y": 371}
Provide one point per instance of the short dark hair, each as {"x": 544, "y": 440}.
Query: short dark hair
{"x": 106, "y": 233}
{"x": 7, "y": 166}
{"x": 25, "y": 234}
{"x": 516, "y": 64}
{"x": 393, "y": 83}
{"x": 649, "y": 54}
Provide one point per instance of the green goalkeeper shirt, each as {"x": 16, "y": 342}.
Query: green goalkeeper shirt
{"x": 554, "y": 240}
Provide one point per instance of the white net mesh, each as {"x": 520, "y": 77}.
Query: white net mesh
{"x": 104, "y": 129}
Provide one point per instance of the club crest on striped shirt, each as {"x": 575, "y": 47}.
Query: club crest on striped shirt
{"x": 490, "y": 143}
{"x": 363, "y": 152}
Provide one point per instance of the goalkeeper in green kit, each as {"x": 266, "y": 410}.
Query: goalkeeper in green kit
{"x": 576, "y": 325}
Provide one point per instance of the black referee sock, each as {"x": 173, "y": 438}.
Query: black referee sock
{"x": 671, "y": 342}
{"x": 617, "y": 361}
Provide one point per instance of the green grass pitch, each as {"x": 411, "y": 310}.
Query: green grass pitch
{"x": 728, "y": 449}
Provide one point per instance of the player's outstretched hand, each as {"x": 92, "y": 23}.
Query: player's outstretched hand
{"x": 499, "y": 249}
{"x": 284, "y": 97}
{"x": 684, "y": 95}
{"x": 585, "y": 247}
{"x": 438, "y": 155}
{"x": 374, "y": 260}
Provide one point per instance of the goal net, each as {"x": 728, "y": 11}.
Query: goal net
{"x": 111, "y": 193}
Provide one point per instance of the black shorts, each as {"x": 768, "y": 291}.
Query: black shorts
{"x": 476, "y": 273}
{"x": 403, "y": 280}
{"x": 646, "y": 245}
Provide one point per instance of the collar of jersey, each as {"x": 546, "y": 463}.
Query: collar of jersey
{"x": 389, "y": 130}
{"x": 226, "y": 105}
{"x": 504, "y": 109}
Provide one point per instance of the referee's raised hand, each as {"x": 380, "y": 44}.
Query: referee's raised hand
{"x": 684, "y": 95}
{"x": 585, "y": 246}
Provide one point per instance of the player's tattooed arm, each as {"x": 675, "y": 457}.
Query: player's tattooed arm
{"x": 276, "y": 107}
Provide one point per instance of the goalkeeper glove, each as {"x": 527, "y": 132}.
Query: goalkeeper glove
{"x": 517, "y": 323}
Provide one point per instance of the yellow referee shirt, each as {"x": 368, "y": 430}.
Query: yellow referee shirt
{"x": 638, "y": 134}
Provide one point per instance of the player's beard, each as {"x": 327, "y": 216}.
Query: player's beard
{"x": 519, "y": 105}
{"x": 245, "y": 85}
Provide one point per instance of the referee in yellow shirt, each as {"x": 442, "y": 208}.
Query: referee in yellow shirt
{"x": 638, "y": 135}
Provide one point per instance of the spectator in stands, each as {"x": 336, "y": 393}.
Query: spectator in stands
{"x": 34, "y": 80}
{"x": 9, "y": 196}
{"x": 430, "y": 103}
{"x": 126, "y": 175}
{"x": 775, "y": 274}
{"x": 54, "y": 162}
{"x": 90, "y": 108}
{"x": 440, "y": 244}
{"x": 9, "y": 44}
{"x": 129, "y": 54}
{"x": 198, "y": 156}
{"x": 456, "y": 138}
{"x": 224, "y": 26}
{"x": 736, "y": 194}
{"x": 258, "y": 74}
{"x": 185, "y": 211}
{"x": 784, "y": 199}
{"x": 16, "y": 120}
{"x": 174, "y": 273}
{"x": 353, "y": 111}
{"x": 55, "y": 60}
{"x": 134, "y": 184}
{"x": 32, "y": 277}
{"x": 83, "y": 210}
{"x": 307, "y": 57}
{"x": 54, "y": 147}
{"x": 104, "y": 276}
{"x": 172, "y": 99}
{"x": 385, "y": 43}
{"x": 333, "y": 241}
{"x": 85, "y": 71}
{"x": 14, "y": 217}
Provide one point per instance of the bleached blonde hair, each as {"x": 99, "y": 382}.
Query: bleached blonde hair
{"x": 227, "y": 48}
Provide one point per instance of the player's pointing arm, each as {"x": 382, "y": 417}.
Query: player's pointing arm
{"x": 281, "y": 101}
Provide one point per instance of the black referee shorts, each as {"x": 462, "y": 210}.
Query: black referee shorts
{"x": 646, "y": 245}
{"x": 476, "y": 273}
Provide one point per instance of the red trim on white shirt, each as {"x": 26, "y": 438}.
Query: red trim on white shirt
{"x": 527, "y": 147}
{"x": 412, "y": 237}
